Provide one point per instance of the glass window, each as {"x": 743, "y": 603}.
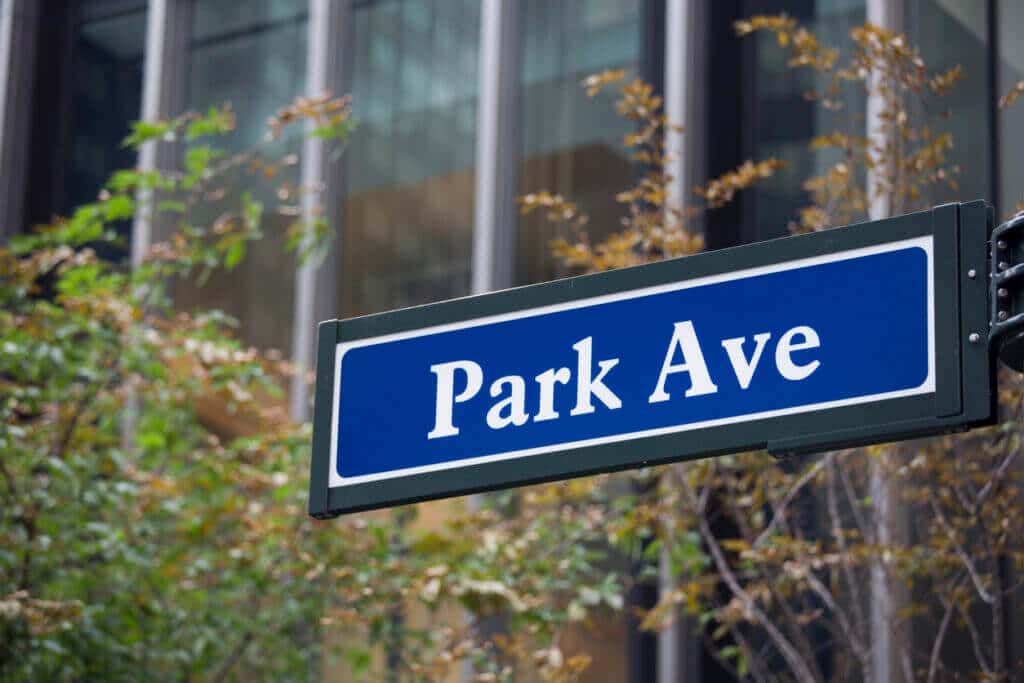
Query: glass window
{"x": 784, "y": 121}
{"x": 106, "y": 96}
{"x": 1011, "y": 71}
{"x": 951, "y": 33}
{"x": 572, "y": 144}
{"x": 252, "y": 56}
{"x": 408, "y": 211}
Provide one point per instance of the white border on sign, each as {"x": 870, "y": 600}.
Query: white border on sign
{"x": 925, "y": 243}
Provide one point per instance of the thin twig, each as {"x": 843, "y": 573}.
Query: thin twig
{"x": 778, "y": 511}
{"x": 851, "y": 497}
{"x": 960, "y": 552}
{"x": 232, "y": 660}
{"x": 997, "y": 477}
{"x": 786, "y": 649}
{"x": 934, "y": 661}
{"x": 844, "y": 553}
{"x": 979, "y": 652}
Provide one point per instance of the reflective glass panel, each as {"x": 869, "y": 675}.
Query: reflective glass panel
{"x": 1011, "y": 71}
{"x": 572, "y": 144}
{"x": 408, "y": 214}
{"x": 106, "y": 82}
{"x": 951, "y": 33}
{"x": 784, "y": 121}
{"x": 251, "y": 55}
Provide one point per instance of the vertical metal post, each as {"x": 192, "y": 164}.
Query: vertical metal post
{"x": 163, "y": 69}
{"x": 316, "y": 286}
{"x": 497, "y": 147}
{"x": 19, "y": 21}
{"x": 884, "y": 656}
{"x": 677, "y": 655}
{"x": 167, "y": 28}
{"x": 678, "y": 34}
{"x": 888, "y": 15}
{"x": 497, "y": 160}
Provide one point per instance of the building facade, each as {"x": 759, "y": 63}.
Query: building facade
{"x": 463, "y": 105}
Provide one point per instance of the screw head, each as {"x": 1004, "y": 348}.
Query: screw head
{"x": 1002, "y": 293}
{"x": 1003, "y": 265}
{"x": 1001, "y": 244}
{"x": 974, "y": 337}
{"x": 972, "y": 273}
{"x": 1002, "y": 315}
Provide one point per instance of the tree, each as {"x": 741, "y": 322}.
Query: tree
{"x": 777, "y": 594}
{"x": 138, "y": 540}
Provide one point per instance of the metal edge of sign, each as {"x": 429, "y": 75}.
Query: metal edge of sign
{"x": 323, "y": 413}
{"x": 964, "y": 393}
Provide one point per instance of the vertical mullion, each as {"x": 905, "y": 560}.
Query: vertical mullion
{"x": 677, "y": 89}
{"x": 680, "y": 80}
{"x": 316, "y": 286}
{"x": 994, "y": 123}
{"x": 497, "y": 157}
{"x": 496, "y": 147}
{"x": 165, "y": 54}
{"x": 19, "y": 24}
{"x": 889, "y": 14}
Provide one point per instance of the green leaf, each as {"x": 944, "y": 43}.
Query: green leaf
{"x": 215, "y": 122}
{"x": 234, "y": 254}
{"x": 171, "y": 206}
{"x": 118, "y": 207}
{"x": 142, "y": 131}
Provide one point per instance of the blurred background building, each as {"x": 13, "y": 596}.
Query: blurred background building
{"x": 463, "y": 105}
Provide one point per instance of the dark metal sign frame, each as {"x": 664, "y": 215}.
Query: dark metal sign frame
{"x": 964, "y": 396}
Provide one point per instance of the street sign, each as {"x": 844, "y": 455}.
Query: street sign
{"x": 857, "y": 335}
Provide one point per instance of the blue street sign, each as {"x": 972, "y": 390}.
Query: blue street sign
{"x": 424, "y": 410}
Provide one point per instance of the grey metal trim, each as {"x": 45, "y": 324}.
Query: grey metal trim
{"x": 888, "y": 14}
{"x": 682, "y": 75}
{"x": 497, "y": 147}
{"x": 683, "y": 46}
{"x": 19, "y": 28}
{"x": 163, "y": 71}
{"x": 316, "y": 285}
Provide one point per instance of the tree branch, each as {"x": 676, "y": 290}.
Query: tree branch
{"x": 854, "y": 501}
{"x": 233, "y": 657}
{"x": 778, "y": 511}
{"x": 940, "y": 636}
{"x": 997, "y": 477}
{"x": 844, "y": 553}
{"x": 786, "y": 649}
{"x": 979, "y": 652}
{"x": 960, "y": 552}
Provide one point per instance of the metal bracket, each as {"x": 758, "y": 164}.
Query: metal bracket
{"x": 1006, "y": 294}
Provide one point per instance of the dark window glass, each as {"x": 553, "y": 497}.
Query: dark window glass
{"x": 1011, "y": 71}
{"x": 951, "y": 33}
{"x": 572, "y": 144}
{"x": 251, "y": 55}
{"x": 408, "y": 215}
{"x": 757, "y": 109}
{"x": 80, "y": 126}
{"x": 107, "y": 96}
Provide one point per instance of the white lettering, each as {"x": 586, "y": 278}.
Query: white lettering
{"x": 789, "y": 369}
{"x": 516, "y": 403}
{"x": 693, "y": 363}
{"x": 446, "y": 397}
{"x": 743, "y": 368}
{"x": 547, "y": 380}
{"x": 587, "y": 386}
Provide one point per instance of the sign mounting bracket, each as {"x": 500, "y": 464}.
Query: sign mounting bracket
{"x": 1006, "y": 327}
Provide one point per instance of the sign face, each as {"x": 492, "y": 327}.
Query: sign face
{"x": 792, "y": 340}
